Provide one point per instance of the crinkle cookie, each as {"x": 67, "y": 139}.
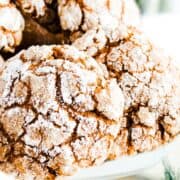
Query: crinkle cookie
{"x": 58, "y": 111}
{"x": 63, "y": 21}
{"x": 76, "y": 17}
{"x": 150, "y": 83}
{"x": 11, "y": 26}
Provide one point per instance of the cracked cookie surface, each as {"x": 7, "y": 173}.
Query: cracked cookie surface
{"x": 62, "y": 21}
{"x": 75, "y": 17}
{"x": 54, "y": 102}
{"x": 149, "y": 80}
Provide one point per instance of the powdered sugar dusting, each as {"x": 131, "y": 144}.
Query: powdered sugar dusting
{"x": 50, "y": 91}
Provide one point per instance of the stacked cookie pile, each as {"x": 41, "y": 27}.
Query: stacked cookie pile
{"x": 103, "y": 91}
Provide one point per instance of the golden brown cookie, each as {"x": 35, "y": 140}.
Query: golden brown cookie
{"x": 45, "y": 22}
{"x": 11, "y": 26}
{"x": 58, "y": 111}
{"x": 150, "y": 83}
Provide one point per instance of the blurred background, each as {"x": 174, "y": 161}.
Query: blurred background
{"x": 161, "y": 22}
{"x": 159, "y": 6}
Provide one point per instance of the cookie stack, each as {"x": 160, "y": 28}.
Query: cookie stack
{"x": 90, "y": 86}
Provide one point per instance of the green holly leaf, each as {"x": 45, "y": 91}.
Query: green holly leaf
{"x": 169, "y": 172}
